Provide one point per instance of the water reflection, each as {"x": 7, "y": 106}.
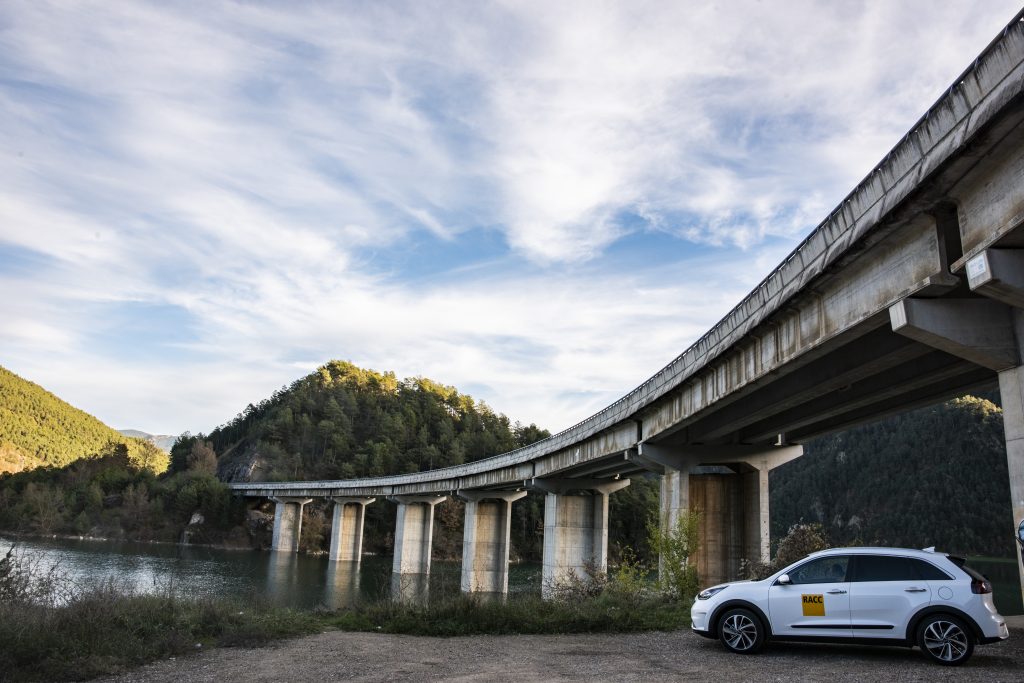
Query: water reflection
{"x": 410, "y": 589}
{"x": 342, "y": 588}
{"x": 282, "y": 576}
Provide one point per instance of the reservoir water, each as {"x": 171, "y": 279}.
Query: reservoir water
{"x": 307, "y": 582}
{"x": 283, "y": 578}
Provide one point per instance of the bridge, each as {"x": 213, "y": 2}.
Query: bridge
{"x": 911, "y": 291}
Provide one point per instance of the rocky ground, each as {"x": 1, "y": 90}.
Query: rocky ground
{"x": 676, "y": 656}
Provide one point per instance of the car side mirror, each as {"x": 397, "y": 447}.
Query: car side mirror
{"x": 1020, "y": 534}
{"x": 784, "y": 580}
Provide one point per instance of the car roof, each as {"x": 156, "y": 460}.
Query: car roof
{"x": 930, "y": 552}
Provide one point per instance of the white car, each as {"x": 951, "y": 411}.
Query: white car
{"x": 892, "y": 596}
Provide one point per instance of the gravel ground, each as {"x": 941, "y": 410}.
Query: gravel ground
{"x": 676, "y": 656}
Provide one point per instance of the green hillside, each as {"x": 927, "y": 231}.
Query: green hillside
{"x": 343, "y": 421}
{"x": 934, "y": 476}
{"x": 38, "y": 429}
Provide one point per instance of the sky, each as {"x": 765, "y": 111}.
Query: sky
{"x": 540, "y": 203}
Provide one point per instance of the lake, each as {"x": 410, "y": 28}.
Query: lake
{"x": 304, "y": 581}
{"x": 284, "y": 578}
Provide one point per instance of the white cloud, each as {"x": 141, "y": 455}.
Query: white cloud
{"x": 252, "y": 167}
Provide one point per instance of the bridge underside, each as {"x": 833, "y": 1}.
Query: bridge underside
{"x": 909, "y": 293}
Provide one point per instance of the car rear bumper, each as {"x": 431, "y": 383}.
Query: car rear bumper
{"x": 1002, "y": 633}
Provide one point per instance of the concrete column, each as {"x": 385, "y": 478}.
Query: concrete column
{"x": 673, "y": 502}
{"x": 287, "y": 523}
{"x": 347, "y": 528}
{"x": 675, "y": 496}
{"x": 485, "y": 540}
{"x": 757, "y": 541}
{"x": 575, "y": 532}
{"x": 729, "y": 486}
{"x": 1011, "y": 393}
{"x": 414, "y": 533}
{"x": 718, "y": 497}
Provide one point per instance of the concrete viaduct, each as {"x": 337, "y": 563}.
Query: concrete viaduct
{"x": 911, "y": 291}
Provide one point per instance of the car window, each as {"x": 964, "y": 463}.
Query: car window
{"x": 884, "y": 568}
{"x": 822, "y": 570}
{"x": 928, "y": 571}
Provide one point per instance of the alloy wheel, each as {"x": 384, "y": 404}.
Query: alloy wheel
{"x": 739, "y": 632}
{"x": 945, "y": 640}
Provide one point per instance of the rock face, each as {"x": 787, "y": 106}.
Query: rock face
{"x": 260, "y": 526}
{"x": 244, "y": 467}
{"x": 194, "y": 530}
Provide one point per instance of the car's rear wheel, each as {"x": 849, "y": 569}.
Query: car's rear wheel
{"x": 741, "y": 631}
{"x": 945, "y": 639}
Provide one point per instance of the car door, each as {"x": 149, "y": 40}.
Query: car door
{"x": 885, "y": 591}
{"x": 816, "y": 602}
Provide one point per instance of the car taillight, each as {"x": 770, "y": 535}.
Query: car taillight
{"x": 981, "y": 586}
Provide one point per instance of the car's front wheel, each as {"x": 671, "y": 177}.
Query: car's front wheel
{"x": 945, "y": 639}
{"x": 740, "y": 630}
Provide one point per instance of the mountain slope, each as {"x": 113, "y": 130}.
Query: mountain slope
{"x": 343, "y": 421}
{"x": 934, "y": 476}
{"x": 39, "y": 429}
{"x": 161, "y": 441}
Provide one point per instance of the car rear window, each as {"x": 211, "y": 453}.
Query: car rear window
{"x": 928, "y": 571}
{"x": 895, "y": 568}
{"x": 970, "y": 571}
{"x": 883, "y": 568}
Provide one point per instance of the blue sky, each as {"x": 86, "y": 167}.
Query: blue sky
{"x": 539, "y": 203}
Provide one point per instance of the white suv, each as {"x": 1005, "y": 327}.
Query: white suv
{"x": 892, "y": 596}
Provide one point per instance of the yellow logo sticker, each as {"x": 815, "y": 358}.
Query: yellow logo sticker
{"x": 814, "y": 605}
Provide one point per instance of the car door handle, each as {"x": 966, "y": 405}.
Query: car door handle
{"x": 915, "y": 590}
{"x": 836, "y": 591}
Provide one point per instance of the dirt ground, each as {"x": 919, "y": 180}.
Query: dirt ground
{"x": 675, "y": 656}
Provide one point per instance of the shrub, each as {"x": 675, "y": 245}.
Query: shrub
{"x": 677, "y": 544}
{"x": 799, "y": 542}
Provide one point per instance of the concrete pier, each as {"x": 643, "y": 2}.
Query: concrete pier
{"x": 414, "y": 533}
{"x": 347, "y": 528}
{"x": 1011, "y": 393}
{"x": 728, "y": 485}
{"x": 287, "y": 523}
{"x": 485, "y": 540}
{"x": 575, "y": 529}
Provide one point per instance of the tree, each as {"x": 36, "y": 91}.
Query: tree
{"x": 202, "y": 458}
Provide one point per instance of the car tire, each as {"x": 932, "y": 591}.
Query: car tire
{"x": 741, "y": 631}
{"x": 945, "y": 639}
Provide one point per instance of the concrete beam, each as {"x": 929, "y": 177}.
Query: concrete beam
{"x": 347, "y": 528}
{"x": 970, "y": 378}
{"x": 685, "y": 456}
{"x": 287, "y": 523}
{"x": 874, "y": 353}
{"x": 575, "y": 533}
{"x": 977, "y": 330}
{"x": 564, "y": 486}
{"x": 414, "y": 533}
{"x": 998, "y": 274}
{"x": 867, "y": 393}
{"x": 485, "y": 540}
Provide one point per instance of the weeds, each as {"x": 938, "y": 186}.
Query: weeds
{"x": 54, "y": 629}
{"x": 677, "y": 544}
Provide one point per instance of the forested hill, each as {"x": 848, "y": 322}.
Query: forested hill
{"x": 39, "y": 429}
{"x": 343, "y": 421}
{"x": 934, "y": 476}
